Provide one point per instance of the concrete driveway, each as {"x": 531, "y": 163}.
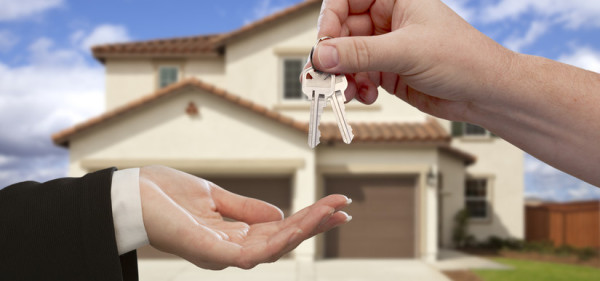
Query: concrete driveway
{"x": 292, "y": 270}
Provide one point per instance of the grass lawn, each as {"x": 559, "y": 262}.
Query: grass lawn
{"x": 533, "y": 271}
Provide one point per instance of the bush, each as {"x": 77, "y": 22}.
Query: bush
{"x": 459, "y": 230}
{"x": 587, "y": 254}
{"x": 545, "y": 247}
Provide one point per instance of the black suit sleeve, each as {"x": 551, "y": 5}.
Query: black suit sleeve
{"x": 61, "y": 230}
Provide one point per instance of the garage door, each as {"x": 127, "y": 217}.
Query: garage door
{"x": 383, "y": 224}
{"x": 275, "y": 190}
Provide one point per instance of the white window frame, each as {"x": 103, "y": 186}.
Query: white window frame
{"x": 299, "y": 101}
{"x": 487, "y": 199}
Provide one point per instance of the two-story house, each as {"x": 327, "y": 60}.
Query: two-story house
{"x": 229, "y": 108}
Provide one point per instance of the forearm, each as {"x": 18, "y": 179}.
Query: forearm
{"x": 548, "y": 109}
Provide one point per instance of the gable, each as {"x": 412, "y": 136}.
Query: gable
{"x": 164, "y": 130}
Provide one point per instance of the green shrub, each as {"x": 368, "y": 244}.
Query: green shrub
{"x": 459, "y": 230}
{"x": 587, "y": 254}
{"x": 544, "y": 247}
{"x": 564, "y": 250}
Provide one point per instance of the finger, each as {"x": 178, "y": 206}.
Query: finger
{"x": 366, "y": 90}
{"x": 241, "y": 208}
{"x": 333, "y": 202}
{"x": 337, "y": 219}
{"x": 335, "y": 13}
{"x": 442, "y": 108}
{"x": 310, "y": 226}
{"x": 352, "y": 89}
{"x": 358, "y": 25}
{"x": 303, "y": 230}
{"x": 306, "y": 223}
{"x": 381, "y": 53}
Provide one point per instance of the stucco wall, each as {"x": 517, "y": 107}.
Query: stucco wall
{"x": 451, "y": 194}
{"x": 209, "y": 70}
{"x": 502, "y": 164}
{"x": 127, "y": 80}
{"x": 162, "y": 131}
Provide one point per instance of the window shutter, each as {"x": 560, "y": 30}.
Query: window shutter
{"x": 457, "y": 129}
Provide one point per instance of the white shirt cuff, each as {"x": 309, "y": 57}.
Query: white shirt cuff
{"x": 127, "y": 210}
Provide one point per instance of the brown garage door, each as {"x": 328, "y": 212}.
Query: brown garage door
{"x": 275, "y": 190}
{"x": 383, "y": 224}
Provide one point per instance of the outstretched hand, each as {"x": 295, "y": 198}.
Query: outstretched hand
{"x": 184, "y": 215}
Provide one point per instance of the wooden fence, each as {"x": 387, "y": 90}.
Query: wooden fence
{"x": 575, "y": 224}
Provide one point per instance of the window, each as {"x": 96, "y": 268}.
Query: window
{"x": 474, "y": 130}
{"x": 467, "y": 129}
{"x": 292, "y": 68}
{"x": 167, "y": 75}
{"x": 476, "y": 198}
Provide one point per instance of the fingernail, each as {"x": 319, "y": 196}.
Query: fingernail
{"x": 328, "y": 57}
{"x": 348, "y": 200}
{"x": 348, "y": 217}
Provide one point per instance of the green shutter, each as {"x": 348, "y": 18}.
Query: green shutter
{"x": 457, "y": 129}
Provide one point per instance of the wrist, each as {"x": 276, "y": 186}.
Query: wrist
{"x": 500, "y": 81}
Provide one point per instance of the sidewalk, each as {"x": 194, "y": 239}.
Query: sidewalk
{"x": 455, "y": 260}
{"x": 291, "y": 270}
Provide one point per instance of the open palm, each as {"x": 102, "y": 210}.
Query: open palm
{"x": 184, "y": 215}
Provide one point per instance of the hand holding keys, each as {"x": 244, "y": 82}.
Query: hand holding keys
{"x": 321, "y": 88}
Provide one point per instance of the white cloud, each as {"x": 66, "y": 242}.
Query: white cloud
{"x": 54, "y": 90}
{"x": 584, "y": 57}
{"x": 103, "y": 34}
{"x": 535, "y": 166}
{"x": 584, "y": 192}
{"x": 545, "y": 182}
{"x": 266, "y": 7}
{"x": 462, "y": 8}
{"x": 20, "y": 9}
{"x": 536, "y": 30}
{"x": 7, "y": 40}
{"x": 572, "y": 13}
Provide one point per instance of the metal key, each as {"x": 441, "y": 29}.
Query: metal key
{"x": 317, "y": 86}
{"x": 321, "y": 88}
{"x": 337, "y": 99}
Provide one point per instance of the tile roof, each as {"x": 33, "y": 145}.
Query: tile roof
{"x": 429, "y": 132}
{"x": 269, "y": 20}
{"x": 192, "y": 45}
{"x": 170, "y": 47}
{"x": 420, "y": 132}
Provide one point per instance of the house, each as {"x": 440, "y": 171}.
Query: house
{"x": 228, "y": 108}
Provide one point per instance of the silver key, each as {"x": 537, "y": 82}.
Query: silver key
{"x": 337, "y": 99}
{"x": 317, "y": 86}
{"x": 321, "y": 88}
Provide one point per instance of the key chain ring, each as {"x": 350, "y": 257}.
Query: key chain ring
{"x": 313, "y": 50}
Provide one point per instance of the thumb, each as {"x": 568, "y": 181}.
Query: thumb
{"x": 359, "y": 54}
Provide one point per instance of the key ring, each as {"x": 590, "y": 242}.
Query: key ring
{"x": 313, "y": 50}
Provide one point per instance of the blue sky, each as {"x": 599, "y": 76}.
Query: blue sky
{"x": 49, "y": 81}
